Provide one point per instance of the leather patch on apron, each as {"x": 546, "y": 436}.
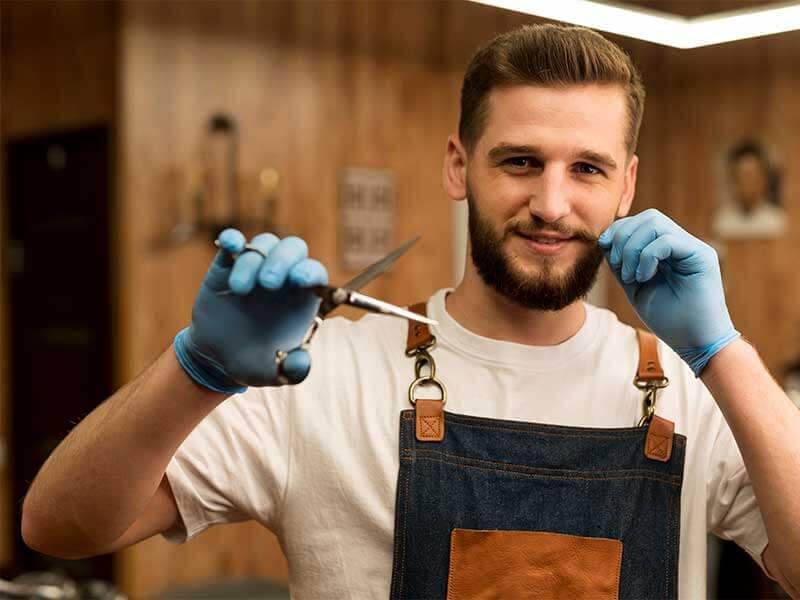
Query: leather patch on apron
{"x": 658, "y": 443}
{"x": 532, "y": 564}
{"x": 430, "y": 420}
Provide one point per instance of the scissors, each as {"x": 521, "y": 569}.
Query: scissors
{"x": 333, "y": 297}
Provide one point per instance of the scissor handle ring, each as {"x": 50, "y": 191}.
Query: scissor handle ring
{"x": 426, "y": 379}
{"x": 255, "y": 249}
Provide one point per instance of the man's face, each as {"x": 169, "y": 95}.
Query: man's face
{"x": 750, "y": 181}
{"x": 550, "y": 172}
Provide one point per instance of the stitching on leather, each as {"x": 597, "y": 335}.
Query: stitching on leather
{"x": 430, "y": 426}
{"x": 428, "y": 454}
{"x": 546, "y": 476}
{"x": 657, "y": 445}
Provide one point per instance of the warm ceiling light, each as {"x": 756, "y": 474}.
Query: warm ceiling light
{"x": 659, "y": 27}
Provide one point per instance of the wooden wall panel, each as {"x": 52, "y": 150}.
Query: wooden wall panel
{"x": 58, "y": 65}
{"x": 57, "y": 72}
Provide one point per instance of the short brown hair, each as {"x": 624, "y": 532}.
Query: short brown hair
{"x": 546, "y": 55}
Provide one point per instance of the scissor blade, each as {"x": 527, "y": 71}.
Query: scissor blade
{"x": 378, "y": 267}
{"x": 374, "y": 305}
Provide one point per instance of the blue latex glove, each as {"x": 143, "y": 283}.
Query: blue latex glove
{"x": 673, "y": 281}
{"x": 264, "y": 307}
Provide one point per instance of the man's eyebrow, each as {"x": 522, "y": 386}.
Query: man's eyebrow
{"x": 599, "y": 158}
{"x": 503, "y": 150}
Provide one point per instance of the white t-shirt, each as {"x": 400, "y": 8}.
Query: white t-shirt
{"x": 317, "y": 462}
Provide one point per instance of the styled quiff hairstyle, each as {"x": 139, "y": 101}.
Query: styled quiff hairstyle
{"x": 546, "y": 55}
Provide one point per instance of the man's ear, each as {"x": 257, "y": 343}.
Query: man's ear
{"x": 454, "y": 171}
{"x": 629, "y": 187}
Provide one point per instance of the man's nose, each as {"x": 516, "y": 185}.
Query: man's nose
{"x": 549, "y": 199}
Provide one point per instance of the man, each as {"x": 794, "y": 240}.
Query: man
{"x": 546, "y": 475}
{"x": 754, "y": 209}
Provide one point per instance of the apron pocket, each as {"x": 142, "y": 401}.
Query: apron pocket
{"x": 488, "y": 565}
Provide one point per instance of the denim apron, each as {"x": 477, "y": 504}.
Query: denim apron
{"x": 489, "y": 508}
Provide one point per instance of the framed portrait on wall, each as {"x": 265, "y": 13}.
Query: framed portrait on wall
{"x": 750, "y": 203}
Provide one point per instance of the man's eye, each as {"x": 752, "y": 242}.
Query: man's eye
{"x": 587, "y": 169}
{"x": 520, "y": 162}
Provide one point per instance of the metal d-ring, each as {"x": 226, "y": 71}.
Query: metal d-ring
{"x": 426, "y": 380}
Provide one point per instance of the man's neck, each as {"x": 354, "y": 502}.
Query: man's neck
{"x": 487, "y": 313}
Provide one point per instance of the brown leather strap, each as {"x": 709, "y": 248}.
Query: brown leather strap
{"x": 429, "y": 412}
{"x": 649, "y": 365}
{"x": 658, "y": 443}
{"x": 430, "y": 420}
{"x": 419, "y": 334}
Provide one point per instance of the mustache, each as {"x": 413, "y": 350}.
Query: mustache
{"x": 535, "y": 227}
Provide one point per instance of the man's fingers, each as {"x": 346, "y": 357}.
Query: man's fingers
{"x": 684, "y": 254}
{"x": 230, "y": 242}
{"x": 308, "y": 272}
{"x": 296, "y": 365}
{"x": 288, "y": 252}
{"x": 245, "y": 271}
{"x": 616, "y": 237}
{"x": 658, "y": 250}
{"x": 636, "y": 242}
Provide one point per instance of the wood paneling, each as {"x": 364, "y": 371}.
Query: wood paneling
{"x": 57, "y": 64}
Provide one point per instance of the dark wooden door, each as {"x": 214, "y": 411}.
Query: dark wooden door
{"x": 59, "y": 206}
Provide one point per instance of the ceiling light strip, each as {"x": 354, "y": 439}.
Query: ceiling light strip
{"x": 661, "y": 28}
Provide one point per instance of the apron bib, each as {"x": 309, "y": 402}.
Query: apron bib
{"x": 489, "y": 508}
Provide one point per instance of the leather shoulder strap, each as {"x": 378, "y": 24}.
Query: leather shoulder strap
{"x": 649, "y": 364}
{"x": 419, "y": 334}
{"x": 660, "y": 431}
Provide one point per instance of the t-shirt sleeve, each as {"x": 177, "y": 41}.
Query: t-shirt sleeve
{"x": 234, "y": 464}
{"x": 733, "y": 513}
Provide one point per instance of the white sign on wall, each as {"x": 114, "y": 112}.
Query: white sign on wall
{"x": 366, "y": 216}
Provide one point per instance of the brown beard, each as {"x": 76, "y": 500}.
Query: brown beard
{"x": 545, "y": 290}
